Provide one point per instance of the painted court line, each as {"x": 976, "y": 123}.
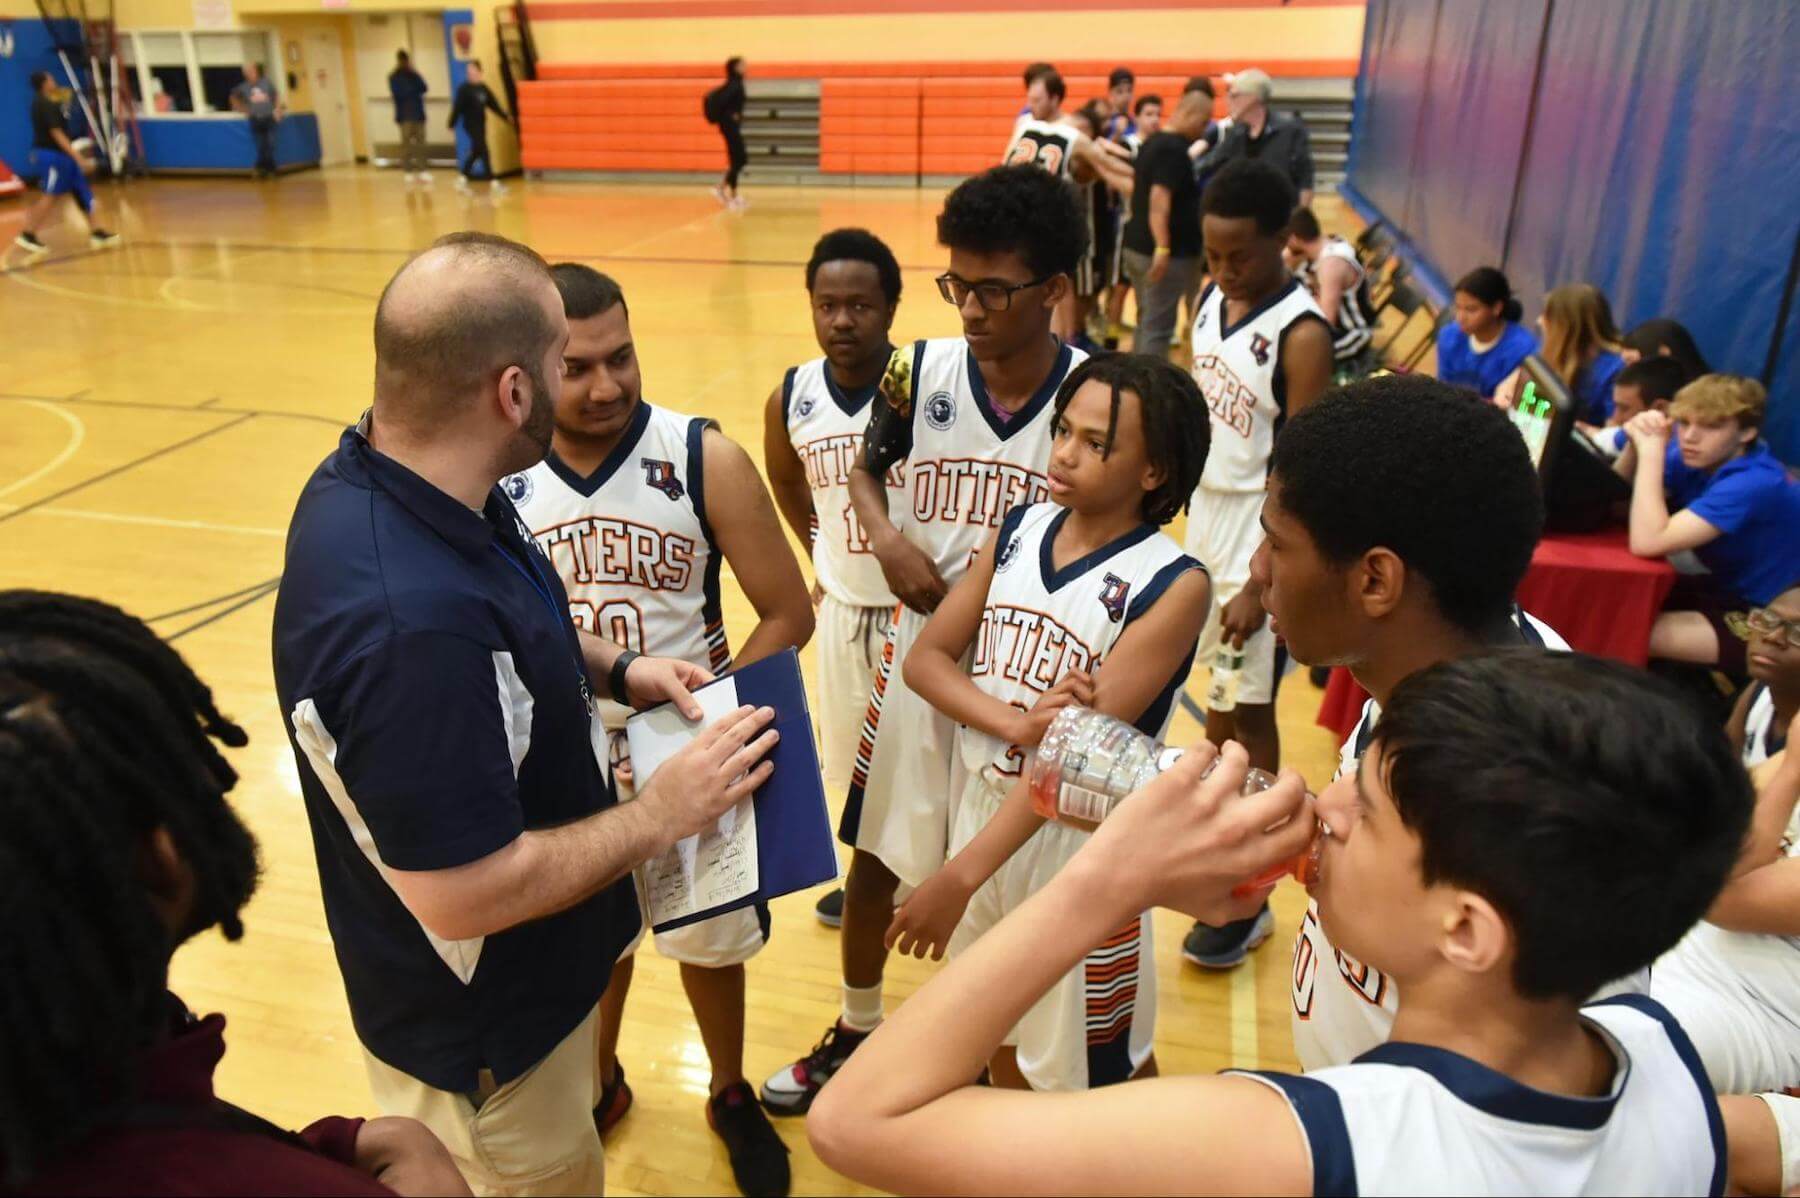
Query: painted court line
{"x": 151, "y": 521}
{"x": 77, "y": 434}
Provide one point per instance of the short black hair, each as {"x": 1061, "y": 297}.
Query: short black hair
{"x": 1425, "y": 469}
{"x": 1591, "y": 803}
{"x": 585, "y": 291}
{"x": 1094, "y": 115}
{"x": 1200, "y": 83}
{"x": 1652, "y": 337}
{"x": 402, "y": 56}
{"x": 1034, "y": 70}
{"x": 857, "y": 245}
{"x": 38, "y": 79}
{"x": 1023, "y": 209}
{"x": 1304, "y": 225}
{"x": 1655, "y": 378}
{"x": 1177, "y": 432}
{"x": 1119, "y": 75}
{"x": 1144, "y": 102}
{"x": 1249, "y": 187}
{"x": 1488, "y": 284}
{"x": 733, "y": 65}
{"x": 1053, "y": 83}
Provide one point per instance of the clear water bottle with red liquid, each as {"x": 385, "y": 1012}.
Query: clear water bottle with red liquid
{"x": 1088, "y": 762}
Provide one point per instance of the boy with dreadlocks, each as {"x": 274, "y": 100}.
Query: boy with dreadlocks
{"x": 1079, "y": 600}
{"x": 116, "y": 845}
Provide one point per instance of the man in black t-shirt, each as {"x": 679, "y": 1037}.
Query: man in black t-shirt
{"x": 469, "y": 109}
{"x": 58, "y": 169}
{"x": 1162, "y": 239}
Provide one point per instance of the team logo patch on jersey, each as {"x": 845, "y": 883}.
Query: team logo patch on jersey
{"x": 1113, "y": 590}
{"x": 805, "y": 407}
{"x": 1259, "y": 349}
{"x": 940, "y": 410}
{"x": 661, "y": 475}
{"x": 517, "y": 487}
{"x": 1008, "y": 552}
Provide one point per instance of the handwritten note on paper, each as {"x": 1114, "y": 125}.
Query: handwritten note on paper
{"x": 719, "y": 865}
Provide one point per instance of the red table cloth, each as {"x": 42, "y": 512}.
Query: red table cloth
{"x": 1590, "y": 587}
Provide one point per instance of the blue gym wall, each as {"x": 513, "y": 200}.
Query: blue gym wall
{"x": 1645, "y": 146}
{"x": 33, "y": 49}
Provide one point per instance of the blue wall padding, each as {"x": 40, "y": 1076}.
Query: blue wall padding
{"x": 224, "y": 143}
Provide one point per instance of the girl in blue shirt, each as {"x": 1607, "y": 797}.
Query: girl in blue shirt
{"x": 1487, "y": 343}
{"x": 1581, "y": 344}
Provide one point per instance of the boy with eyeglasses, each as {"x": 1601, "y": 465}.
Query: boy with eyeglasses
{"x": 971, "y": 417}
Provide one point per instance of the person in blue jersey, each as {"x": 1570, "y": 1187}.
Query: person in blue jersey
{"x": 1486, "y": 342}
{"x": 59, "y": 169}
{"x": 1703, "y": 479}
{"x": 1581, "y": 344}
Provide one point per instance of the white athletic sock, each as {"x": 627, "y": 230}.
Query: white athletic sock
{"x": 862, "y": 1008}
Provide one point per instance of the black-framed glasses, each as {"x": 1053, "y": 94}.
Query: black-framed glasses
{"x": 992, "y": 296}
{"x": 1760, "y": 621}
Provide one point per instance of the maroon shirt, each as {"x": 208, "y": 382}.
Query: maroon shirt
{"x": 182, "y": 1140}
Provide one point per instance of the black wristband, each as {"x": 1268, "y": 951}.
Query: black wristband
{"x": 615, "y": 677}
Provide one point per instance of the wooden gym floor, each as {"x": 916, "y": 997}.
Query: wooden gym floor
{"x": 161, "y": 404}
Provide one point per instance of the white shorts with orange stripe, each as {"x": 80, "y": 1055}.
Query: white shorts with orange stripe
{"x": 848, "y": 645}
{"x": 1095, "y": 1026}
{"x": 901, "y": 799}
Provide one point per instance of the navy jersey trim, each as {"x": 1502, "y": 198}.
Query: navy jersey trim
{"x": 585, "y": 487}
{"x": 1055, "y": 579}
{"x": 1150, "y": 723}
{"x": 711, "y": 610}
{"x": 1690, "y": 1057}
{"x": 1159, "y": 583}
{"x": 787, "y": 395}
{"x": 1227, "y": 330}
{"x": 1495, "y": 1093}
{"x": 1527, "y": 630}
{"x": 1040, "y": 398}
{"x": 852, "y": 402}
{"x": 1320, "y": 1113}
{"x": 1009, "y": 528}
{"x": 1278, "y": 380}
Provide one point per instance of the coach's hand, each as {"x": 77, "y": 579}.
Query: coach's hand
{"x": 1183, "y": 842}
{"x": 930, "y": 914}
{"x": 910, "y": 573}
{"x": 403, "y": 1155}
{"x": 1076, "y": 688}
{"x": 716, "y": 770}
{"x": 653, "y": 680}
{"x": 1241, "y": 618}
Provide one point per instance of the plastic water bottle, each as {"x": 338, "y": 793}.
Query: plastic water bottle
{"x": 1088, "y": 762}
{"x": 1227, "y": 667}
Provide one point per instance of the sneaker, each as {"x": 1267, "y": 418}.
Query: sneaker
{"x": 427, "y": 178}
{"x": 462, "y": 186}
{"x": 102, "y": 237}
{"x": 830, "y": 909}
{"x": 739, "y": 204}
{"x": 615, "y": 1101}
{"x": 1226, "y": 947}
{"x": 497, "y": 188}
{"x": 720, "y": 194}
{"x": 29, "y": 243}
{"x": 759, "y": 1160}
{"x": 791, "y": 1091}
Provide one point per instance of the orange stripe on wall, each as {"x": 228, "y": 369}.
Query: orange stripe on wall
{"x": 626, "y": 10}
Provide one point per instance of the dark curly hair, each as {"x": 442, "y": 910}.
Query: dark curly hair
{"x": 1589, "y": 802}
{"x": 1177, "y": 432}
{"x": 1250, "y": 187}
{"x": 1427, "y": 470}
{"x": 1019, "y": 209}
{"x": 857, "y": 245}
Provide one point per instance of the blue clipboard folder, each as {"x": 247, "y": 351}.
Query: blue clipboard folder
{"x": 792, "y": 841}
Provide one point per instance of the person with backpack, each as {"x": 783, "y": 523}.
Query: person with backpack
{"x": 724, "y": 107}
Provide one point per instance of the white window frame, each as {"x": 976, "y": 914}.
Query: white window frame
{"x": 271, "y": 59}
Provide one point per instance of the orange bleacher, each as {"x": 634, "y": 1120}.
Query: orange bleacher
{"x": 903, "y": 119}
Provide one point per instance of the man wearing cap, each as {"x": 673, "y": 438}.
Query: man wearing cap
{"x": 1277, "y": 138}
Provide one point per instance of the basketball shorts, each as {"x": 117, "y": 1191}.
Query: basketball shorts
{"x": 849, "y": 643}
{"x": 1096, "y": 1026}
{"x": 1737, "y": 995}
{"x": 1224, "y": 532}
{"x": 1786, "y": 1110}
{"x": 60, "y": 175}
{"x": 899, "y": 805}
{"x": 717, "y": 943}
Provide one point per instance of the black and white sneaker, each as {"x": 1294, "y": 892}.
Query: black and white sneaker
{"x": 29, "y": 243}
{"x": 100, "y": 238}
{"x": 759, "y": 1160}
{"x": 830, "y": 909}
{"x": 1226, "y": 947}
{"x": 791, "y": 1091}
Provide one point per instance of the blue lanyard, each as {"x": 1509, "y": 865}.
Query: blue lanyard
{"x": 531, "y": 576}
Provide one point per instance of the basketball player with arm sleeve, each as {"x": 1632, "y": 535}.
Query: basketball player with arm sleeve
{"x": 970, "y": 416}
{"x": 639, "y": 508}
{"x": 1262, "y": 353}
{"x": 1524, "y": 826}
{"x": 1081, "y": 600}
{"x": 812, "y": 435}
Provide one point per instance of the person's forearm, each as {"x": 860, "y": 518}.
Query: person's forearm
{"x": 1769, "y": 820}
{"x": 1014, "y": 823}
{"x": 599, "y": 653}
{"x": 940, "y": 680}
{"x": 793, "y": 499}
{"x": 1649, "y": 506}
{"x": 1763, "y": 902}
{"x": 868, "y": 498}
{"x": 1160, "y": 204}
{"x": 778, "y": 629}
{"x": 62, "y": 139}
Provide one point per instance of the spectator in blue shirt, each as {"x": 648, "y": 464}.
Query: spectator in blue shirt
{"x": 472, "y": 858}
{"x": 1717, "y": 490}
{"x": 1486, "y": 342}
{"x": 1581, "y": 344}
{"x": 1662, "y": 337}
{"x": 408, "y": 88}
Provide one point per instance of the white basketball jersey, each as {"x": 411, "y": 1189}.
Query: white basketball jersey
{"x": 1049, "y": 144}
{"x": 1411, "y": 1119}
{"x": 631, "y": 542}
{"x": 1238, "y": 369}
{"x": 1351, "y": 332}
{"x": 825, "y": 424}
{"x": 1760, "y": 733}
{"x": 1343, "y": 1008}
{"x": 1040, "y": 622}
{"x": 967, "y": 468}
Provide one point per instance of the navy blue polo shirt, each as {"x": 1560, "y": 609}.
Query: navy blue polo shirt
{"x": 434, "y": 693}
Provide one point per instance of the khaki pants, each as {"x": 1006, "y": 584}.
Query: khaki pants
{"x": 533, "y": 1136}
{"x": 412, "y": 146}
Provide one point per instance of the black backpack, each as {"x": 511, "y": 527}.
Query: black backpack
{"x": 713, "y": 106}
